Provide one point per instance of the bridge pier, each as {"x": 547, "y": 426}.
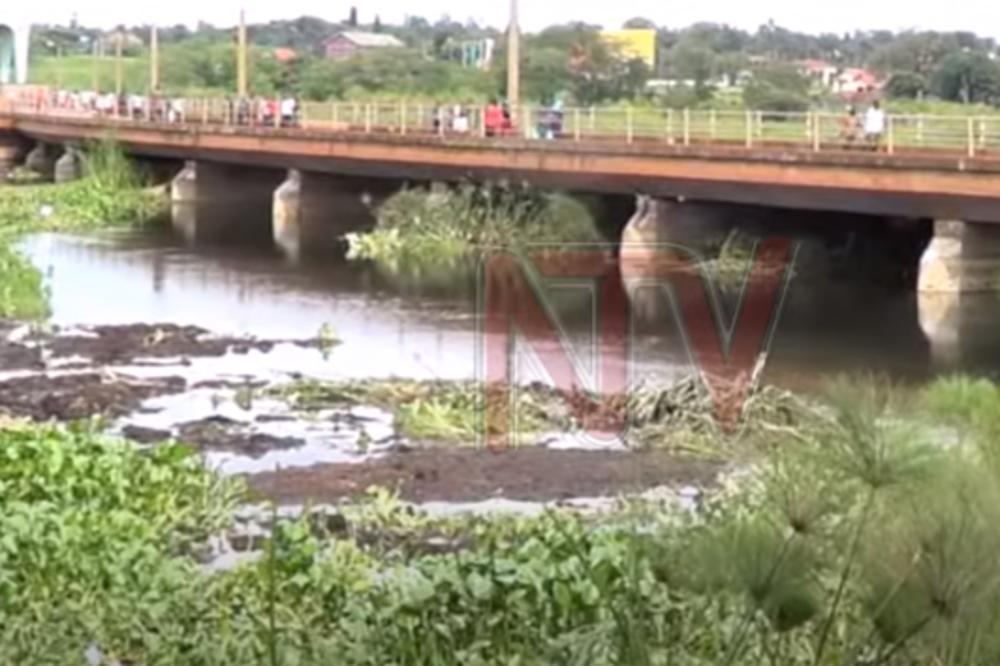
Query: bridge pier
{"x": 69, "y": 167}
{"x": 216, "y": 202}
{"x": 41, "y": 161}
{"x": 11, "y": 152}
{"x": 313, "y": 211}
{"x": 963, "y": 257}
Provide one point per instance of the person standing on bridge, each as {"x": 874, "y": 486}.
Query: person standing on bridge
{"x": 874, "y": 125}
{"x": 850, "y": 127}
{"x": 494, "y": 119}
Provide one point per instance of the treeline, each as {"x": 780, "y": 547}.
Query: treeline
{"x": 569, "y": 60}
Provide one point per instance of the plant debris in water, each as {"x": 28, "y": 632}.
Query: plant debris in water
{"x": 681, "y": 417}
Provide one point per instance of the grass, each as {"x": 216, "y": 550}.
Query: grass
{"x": 78, "y": 72}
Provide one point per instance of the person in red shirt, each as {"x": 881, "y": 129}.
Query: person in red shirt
{"x": 494, "y": 119}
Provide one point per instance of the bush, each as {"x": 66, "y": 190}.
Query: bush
{"x": 777, "y": 88}
{"x": 907, "y": 85}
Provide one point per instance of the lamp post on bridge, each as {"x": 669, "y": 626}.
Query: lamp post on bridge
{"x": 241, "y": 56}
{"x": 119, "y": 72}
{"x": 514, "y": 61}
{"x": 154, "y": 59}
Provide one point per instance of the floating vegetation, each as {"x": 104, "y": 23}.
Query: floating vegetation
{"x": 434, "y": 235}
{"x": 681, "y": 417}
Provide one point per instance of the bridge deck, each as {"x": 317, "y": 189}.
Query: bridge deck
{"x": 911, "y": 181}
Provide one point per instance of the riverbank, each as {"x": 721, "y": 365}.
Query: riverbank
{"x": 207, "y": 498}
{"x": 860, "y": 531}
{"x": 111, "y": 193}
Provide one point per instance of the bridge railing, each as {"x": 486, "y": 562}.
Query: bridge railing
{"x": 972, "y": 136}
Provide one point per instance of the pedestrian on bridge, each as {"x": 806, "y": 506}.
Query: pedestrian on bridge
{"x": 494, "y": 119}
{"x": 874, "y": 125}
{"x": 850, "y": 127}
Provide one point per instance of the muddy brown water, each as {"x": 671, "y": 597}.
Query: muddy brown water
{"x": 389, "y": 327}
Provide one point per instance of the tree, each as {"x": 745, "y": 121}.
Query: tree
{"x": 353, "y": 19}
{"x": 907, "y": 85}
{"x": 639, "y": 23}
{"x": 968, "y": 77}
{"x": 693, "y": 61}
{"x": 919, "y": 53}
{"x": 777, "y": 87}
{"x": 377, "y": 26}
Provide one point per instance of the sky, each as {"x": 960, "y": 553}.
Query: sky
{"x": 982, "y": 16}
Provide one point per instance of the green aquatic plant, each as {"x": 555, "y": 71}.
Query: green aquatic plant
{"x": 853, "y": 539}
{"x": 22, "y": 289}
{"x": 439, "y": 232}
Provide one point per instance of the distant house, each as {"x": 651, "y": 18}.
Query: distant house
{"x": 848, "y": 83}
{"x": 347, "y": 44}
{"x": 821, "y": 71}
{"x": 285, "y": 55}
{"x": 853, "y": 82}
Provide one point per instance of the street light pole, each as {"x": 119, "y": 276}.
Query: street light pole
{"x": 241, "y": 69}
{"x": 154, "y": 59}
{"x": 119, "y": 72}
{"x": 514, "y": 60}
{"x": 95, "y": 64}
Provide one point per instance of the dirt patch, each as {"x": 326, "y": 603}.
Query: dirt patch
{"x": 528, "y": 474}
{"x": 109, "y": 345}
{"x": 72, "y": 397}
{"x": 20, "y": 357}
{"x": 217, "y": 433}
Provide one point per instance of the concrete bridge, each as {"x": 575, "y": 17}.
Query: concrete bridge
{"x": 309, "y": 174}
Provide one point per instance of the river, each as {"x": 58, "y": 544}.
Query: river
{"x": 393, "y": 330}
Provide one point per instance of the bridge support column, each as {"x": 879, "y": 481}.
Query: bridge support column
{"x": 11, "y": 152}
{"x": 963, "y": 257}
{"x": 959, "y": 269}
{"x": 312, "y": 211}
{"x": 215, "y": 202}
{"x": 41, "y": 161}
{"x": 69, "y": 167}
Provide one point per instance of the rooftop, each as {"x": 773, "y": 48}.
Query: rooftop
{"x": 370, "y": 39}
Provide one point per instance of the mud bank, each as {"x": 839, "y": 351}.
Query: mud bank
{"x": 76, "y": 373}
{"x": 528, "y": 474}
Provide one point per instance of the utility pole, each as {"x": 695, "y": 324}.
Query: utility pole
{"x": 154, "y": 59}
{"x": 241, "y": 63}
{"x": 96, "y": 66}
{"x": 514, "y": 61}
{"x": 119, "y": 72}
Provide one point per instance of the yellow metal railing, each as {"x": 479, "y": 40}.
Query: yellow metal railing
{"x": 971, "y": 136}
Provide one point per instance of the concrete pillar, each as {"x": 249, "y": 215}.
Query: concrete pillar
{"x": 11, "y": 152}
{"x": 41, "y": 161}
{"x": 312, "y": 211}
{"x": 69, "y": 167}
{"x": 217, "y": 202}
{"x": 963, "y": 257}
{"x": 961, "y": 331}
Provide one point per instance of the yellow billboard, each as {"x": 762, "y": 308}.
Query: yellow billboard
{"x": 634, "y": 44}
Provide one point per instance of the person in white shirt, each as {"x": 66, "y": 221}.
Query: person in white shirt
{"x": 874, "y": 124}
